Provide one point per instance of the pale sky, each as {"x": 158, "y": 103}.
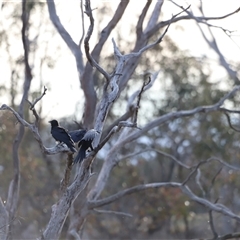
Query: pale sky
{"x": 64, "y": 77}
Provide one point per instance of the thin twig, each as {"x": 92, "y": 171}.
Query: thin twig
{"x": 83, "y": 26}
{"x": 158, "y": 151}
{"x": 207, "y": 161}
{"x": 124, "y": 117}
{"x": 193, "y": 172}
{"x": 32, "y": 106}
{"x": 154, "y": 15}
{"x": 229, "y": 122}
{"x": 115, "y": 129}
{"x": 48, "y": 151}
{"x": 91, "y": 60}
{"x": 214, "y": 178}
{"x": 213, "y": 44}
{"x": 187, "y": 17}
{"x": 113, "y": 212}
{"x": 102, "y": 202}
{"x": 197, "y": 179}
{"x": 178, "y": 114}
{"x": 139, "y": 27}
{"x": 105, "y": 140}
{"x": 229, "y": 110}
{"x": 135, "y": 54}
{"x": 215, "y": 235}
{"x": 135, "y": 115}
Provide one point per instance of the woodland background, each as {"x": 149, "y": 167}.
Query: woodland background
{"x": 183, "y": 80}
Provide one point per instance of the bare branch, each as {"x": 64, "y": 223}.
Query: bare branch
{"x": 215, "y": 235}
{"x": 187, "y": 17}
{"x": 155, "y": 15}
{"x": 213, "y": 180}
{"x": 112, "y": 160}
{"x": 141, "y": 18}
{"x": 178, "y": 114}
{"x": 32, "y": 106}
{"x": 132, "y": 108}
{"x": 114, "y": 197}
{"x": 108, "y": 29}
{"x": 135, "y": 54}
{"x": 173, "y": 158}
{"x": 25, "y": 18}
{"x": 229, "y": 110}
{"x": 83, "y": 26}
{"x": 196, "y": 167}
{"x": 124, "y": 117}
{"x": 128, "y": 124}
{"x": 65, "y": 35}
{"x": 65, "y": 181}
{"x": 185, "y": 190}
{"x": 160, "y": 152}
{"x": 148, "y": 83}
{"x": 13, "y": 191}
{"x": 135, "y": 115}
{"x": 111, "y": 133}
{"x": 113, "y": 212}
{"x": 74, "y": 233}
{"x": 37, "y": 99}
{"x": 105, "y": 140}
{"x": 220, "y": 161}
{"x": 61, "y": 208}
{"x": 229, "y": 122}
{"x": 214, "y": 207}
{"x": 91, "y": 60}
{"x": 33, "y": 128}
{"x": 140, "y": 46}
{"x": 193, "y": 172}
{"x": 109, "y": 97}
{"x": 197, "y": 179}
{"x": 229, "y": 236}
{"x": 87, "y": 77}
{"x": 212, "y": 43}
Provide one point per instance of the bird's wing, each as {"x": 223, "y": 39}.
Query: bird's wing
{"x": 90, "y": 135}
{"x": 77, "y": 135}
{"x": 61, "y": 135}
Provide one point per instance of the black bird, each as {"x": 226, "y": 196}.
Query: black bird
{"x": 84, "y": 144}
{"x": 61, "y": 135}
{"x": 77, "y": 135}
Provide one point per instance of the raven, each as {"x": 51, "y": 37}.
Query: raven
{"x": 61, "y": 135}
{"x": 84, "y": 144}
{"x": 77, "y": 135}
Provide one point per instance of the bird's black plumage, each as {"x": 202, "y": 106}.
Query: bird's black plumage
{"x": 84, "y": 144}
{"x": 77, "y": 135}
{"x": 61, "y": 135}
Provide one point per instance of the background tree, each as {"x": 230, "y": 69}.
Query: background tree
{"x": 162, "y": 150}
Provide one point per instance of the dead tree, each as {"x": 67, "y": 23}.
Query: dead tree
{"x": 95, "y": 116}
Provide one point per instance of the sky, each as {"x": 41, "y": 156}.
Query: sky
{"x": 64, "y": 89}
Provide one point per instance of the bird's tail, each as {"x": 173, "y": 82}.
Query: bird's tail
{"x": 80, "y": 156}
{"x": 72, "y": 148}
